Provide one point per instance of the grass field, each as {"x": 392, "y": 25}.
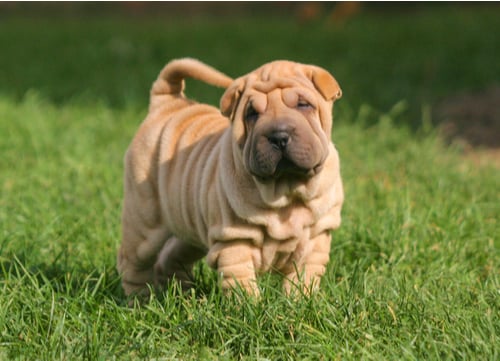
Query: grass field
{"x": 414, "y": 272}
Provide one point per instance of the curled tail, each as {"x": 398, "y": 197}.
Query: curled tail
{"x": 171, "y": 78}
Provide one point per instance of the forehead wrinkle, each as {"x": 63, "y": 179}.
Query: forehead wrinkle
{"x": 268, "y": 86}
{"x": 274, "y": 97}
{"x": 279, "y": 81}
{"x": 258, "y": 101}
{"x": 289, "y": 96}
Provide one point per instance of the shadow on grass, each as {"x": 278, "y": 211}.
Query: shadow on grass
{"x": 96, "y": 283}
{"x": 62, "y": 280}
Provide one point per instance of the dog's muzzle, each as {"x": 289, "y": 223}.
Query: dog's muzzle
{"x": 281, "y": 152}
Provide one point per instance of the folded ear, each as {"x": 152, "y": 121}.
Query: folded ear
{"x": 230, "y": 98}
{"x": 326, "y": 84}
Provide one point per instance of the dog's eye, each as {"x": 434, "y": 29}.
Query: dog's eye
{"x": 304, "y": 105}
{"x": 251, "y": 115}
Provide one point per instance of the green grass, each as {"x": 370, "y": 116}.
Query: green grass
{"x": 414, "y": 270}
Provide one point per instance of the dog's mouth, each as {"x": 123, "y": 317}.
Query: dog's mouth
{"x": 285, "y": 168}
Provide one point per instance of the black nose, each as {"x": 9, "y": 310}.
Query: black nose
{"x": 279, "y": 139}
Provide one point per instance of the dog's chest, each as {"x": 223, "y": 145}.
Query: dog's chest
{"x": 286, "y": 223}
{"x": 286, "y": 234}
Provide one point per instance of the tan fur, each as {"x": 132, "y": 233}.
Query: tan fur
{"x": 200, "y": 183}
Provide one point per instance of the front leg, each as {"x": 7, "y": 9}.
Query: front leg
{"x": 306, "y": 272}
{"x": 235, "y": 265}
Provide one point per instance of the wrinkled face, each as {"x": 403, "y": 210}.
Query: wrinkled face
{"x": 282, "y": 120}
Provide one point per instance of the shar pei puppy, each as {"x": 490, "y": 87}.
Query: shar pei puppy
{"x": 254, "y": 186}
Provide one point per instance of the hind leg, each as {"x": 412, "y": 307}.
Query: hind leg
{"x": 137, "y": 256}
{"x": 176, "y": 261}
{"x": 143, "y": 234}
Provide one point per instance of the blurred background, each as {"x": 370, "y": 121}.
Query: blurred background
{"x": 432, "y": 63}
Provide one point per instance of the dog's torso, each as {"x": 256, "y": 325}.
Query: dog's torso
{"x": 169, "y": 158}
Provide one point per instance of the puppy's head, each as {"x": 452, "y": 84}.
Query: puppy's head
{"x": 281, "y": 119}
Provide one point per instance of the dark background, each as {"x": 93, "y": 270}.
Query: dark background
{"x": 437, "y": 58}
